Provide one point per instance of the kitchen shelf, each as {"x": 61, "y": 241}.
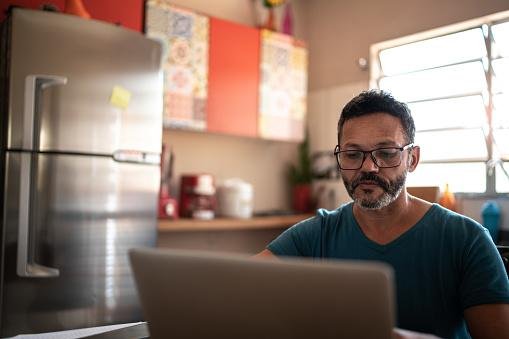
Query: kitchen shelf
{"x": 231, "y": 224}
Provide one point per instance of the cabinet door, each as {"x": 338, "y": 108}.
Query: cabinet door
{"x": 234, "y": 59}
{"x": 126, "y": 13}
{"x": 283, "y": 87}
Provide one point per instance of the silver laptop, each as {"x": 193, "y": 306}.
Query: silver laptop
{"x": 190, "y": 294}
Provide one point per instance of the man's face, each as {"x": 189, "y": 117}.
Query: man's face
{"x": 372, "y": 187}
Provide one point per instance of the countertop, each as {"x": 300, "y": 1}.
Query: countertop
{"x": 231, "y": 224}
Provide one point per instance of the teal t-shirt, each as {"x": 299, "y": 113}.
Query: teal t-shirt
{"x": 443, "y": 264}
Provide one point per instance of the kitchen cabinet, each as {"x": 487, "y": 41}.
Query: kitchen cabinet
{"x": 234, "y": 58}
{"x": 126, "y": 13}
{"x": 283, "y": 87}
{"x": 184, "y": 35}
{"x": 227, "y": 78}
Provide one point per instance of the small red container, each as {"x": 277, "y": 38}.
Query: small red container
{"x": 301, "y": 198}
{"x": 168, "y": 207}
{"x": 197, "y": 196}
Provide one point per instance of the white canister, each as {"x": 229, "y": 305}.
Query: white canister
{"x": 235, "y": 199}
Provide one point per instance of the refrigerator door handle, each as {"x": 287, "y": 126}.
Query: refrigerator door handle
{"x": 26, "y": 265}
{"x": 138, "y": 157}
{"x": 34, "y": 84}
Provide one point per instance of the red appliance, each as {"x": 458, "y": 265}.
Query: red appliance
{"x": 197, "y": 196}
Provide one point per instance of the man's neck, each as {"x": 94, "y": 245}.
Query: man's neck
{"x": 386, "y": 224}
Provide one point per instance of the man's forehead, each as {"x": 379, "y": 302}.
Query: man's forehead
{"x": 379, "y": 129}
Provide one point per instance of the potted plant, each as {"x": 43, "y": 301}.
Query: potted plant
{"x": 300, "y": 177}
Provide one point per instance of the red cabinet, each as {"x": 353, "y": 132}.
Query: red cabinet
{"x": 126, "y": 13}
{"x": 234, "y": 78}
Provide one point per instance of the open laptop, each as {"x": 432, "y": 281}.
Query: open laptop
{"x": 190, "y": 294}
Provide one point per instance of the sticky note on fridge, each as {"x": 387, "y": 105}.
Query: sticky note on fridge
{"x": 120, "y": 97}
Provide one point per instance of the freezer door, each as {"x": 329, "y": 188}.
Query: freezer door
{"x": 82, "y": 86}
{"x": 84, "y": 214}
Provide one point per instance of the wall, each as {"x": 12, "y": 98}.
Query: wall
{"x": 340, "y": 32}
{"x": 245, "y": 12}
{"x": 261, "y": 163}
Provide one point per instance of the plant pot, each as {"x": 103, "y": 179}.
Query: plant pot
{"x": 301, "y": 198}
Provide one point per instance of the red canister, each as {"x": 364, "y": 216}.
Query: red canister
{"x": 197, "y": 196}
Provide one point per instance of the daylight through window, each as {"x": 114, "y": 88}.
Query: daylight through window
{"x": 456, "y": 82}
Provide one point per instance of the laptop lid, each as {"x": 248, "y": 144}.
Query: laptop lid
{"x": 190, "y": 294}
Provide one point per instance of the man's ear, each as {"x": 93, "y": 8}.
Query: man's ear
{"x": 414, "y": 157}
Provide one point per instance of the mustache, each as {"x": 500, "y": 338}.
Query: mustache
{"x": 370, "y": 177}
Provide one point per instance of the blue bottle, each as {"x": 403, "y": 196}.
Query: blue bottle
{"x": 491, "y": 218}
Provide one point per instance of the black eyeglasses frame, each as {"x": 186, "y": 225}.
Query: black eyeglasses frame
{"x": 337, "y": 151}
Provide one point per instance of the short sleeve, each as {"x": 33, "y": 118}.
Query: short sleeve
{"x": 303, "y": 239}
{"x": 484, "y": 279}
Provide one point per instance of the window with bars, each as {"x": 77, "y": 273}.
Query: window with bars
{"x": 456, "y": 83}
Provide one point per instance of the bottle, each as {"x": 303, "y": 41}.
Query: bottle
{"x": 76, "y": 7}
{"x": 447, "y": 199}
{"x": 287, "y": 20}
{"x": 491, "y": 218}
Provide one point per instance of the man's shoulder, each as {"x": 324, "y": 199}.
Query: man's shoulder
{"x": 438, "y": 212}
{"x": 342, "y": 213}
{"x": 441, "y": 219}
{"x": 324, "y": 217}
{"x": 341, "y": 210}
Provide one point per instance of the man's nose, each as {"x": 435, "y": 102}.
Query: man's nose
{"x": 369, "y": 165}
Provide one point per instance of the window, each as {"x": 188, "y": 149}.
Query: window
{"x": 456, "y": 82}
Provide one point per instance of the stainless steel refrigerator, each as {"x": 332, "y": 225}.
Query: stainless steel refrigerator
{"x": 81, "y": 126}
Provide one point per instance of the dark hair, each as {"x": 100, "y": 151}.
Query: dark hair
{"x": 378, "y": 101}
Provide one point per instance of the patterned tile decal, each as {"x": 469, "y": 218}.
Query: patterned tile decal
{"x": 185, "y": 38}
{"x": 283, "y": 87}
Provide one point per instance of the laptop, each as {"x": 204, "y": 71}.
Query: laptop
{"x": 192, "y": 294}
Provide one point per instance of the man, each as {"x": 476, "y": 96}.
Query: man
{"x": 446, "y": 266}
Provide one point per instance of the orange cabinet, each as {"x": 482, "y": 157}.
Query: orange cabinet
{"x": 233, "y": 79}
{"x": 126, "y": 13}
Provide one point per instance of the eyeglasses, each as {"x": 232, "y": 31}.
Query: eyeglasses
{"x": 385, "y": 157}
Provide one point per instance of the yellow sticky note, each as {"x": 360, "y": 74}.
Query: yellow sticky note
{"x": 120, "y": 97}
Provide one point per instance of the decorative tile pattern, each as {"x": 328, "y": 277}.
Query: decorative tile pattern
{"x": 184, "y": 36}
{"x": 283, "y": 87}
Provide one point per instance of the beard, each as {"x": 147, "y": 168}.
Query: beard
{"x": 391, "y": 190}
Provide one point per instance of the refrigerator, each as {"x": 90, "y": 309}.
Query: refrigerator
{"x": 81, "y": 129}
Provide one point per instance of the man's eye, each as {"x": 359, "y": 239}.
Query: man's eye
{"x": 353, "y": 155}
{"x": 386, "y": 153}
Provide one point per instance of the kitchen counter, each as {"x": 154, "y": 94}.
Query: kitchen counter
{"x": 231, "y": 224}
{"x": 224, "y": 234}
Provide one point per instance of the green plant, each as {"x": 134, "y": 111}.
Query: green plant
{"x": 273, "y": 3}
{"x": 301, "y": 172}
